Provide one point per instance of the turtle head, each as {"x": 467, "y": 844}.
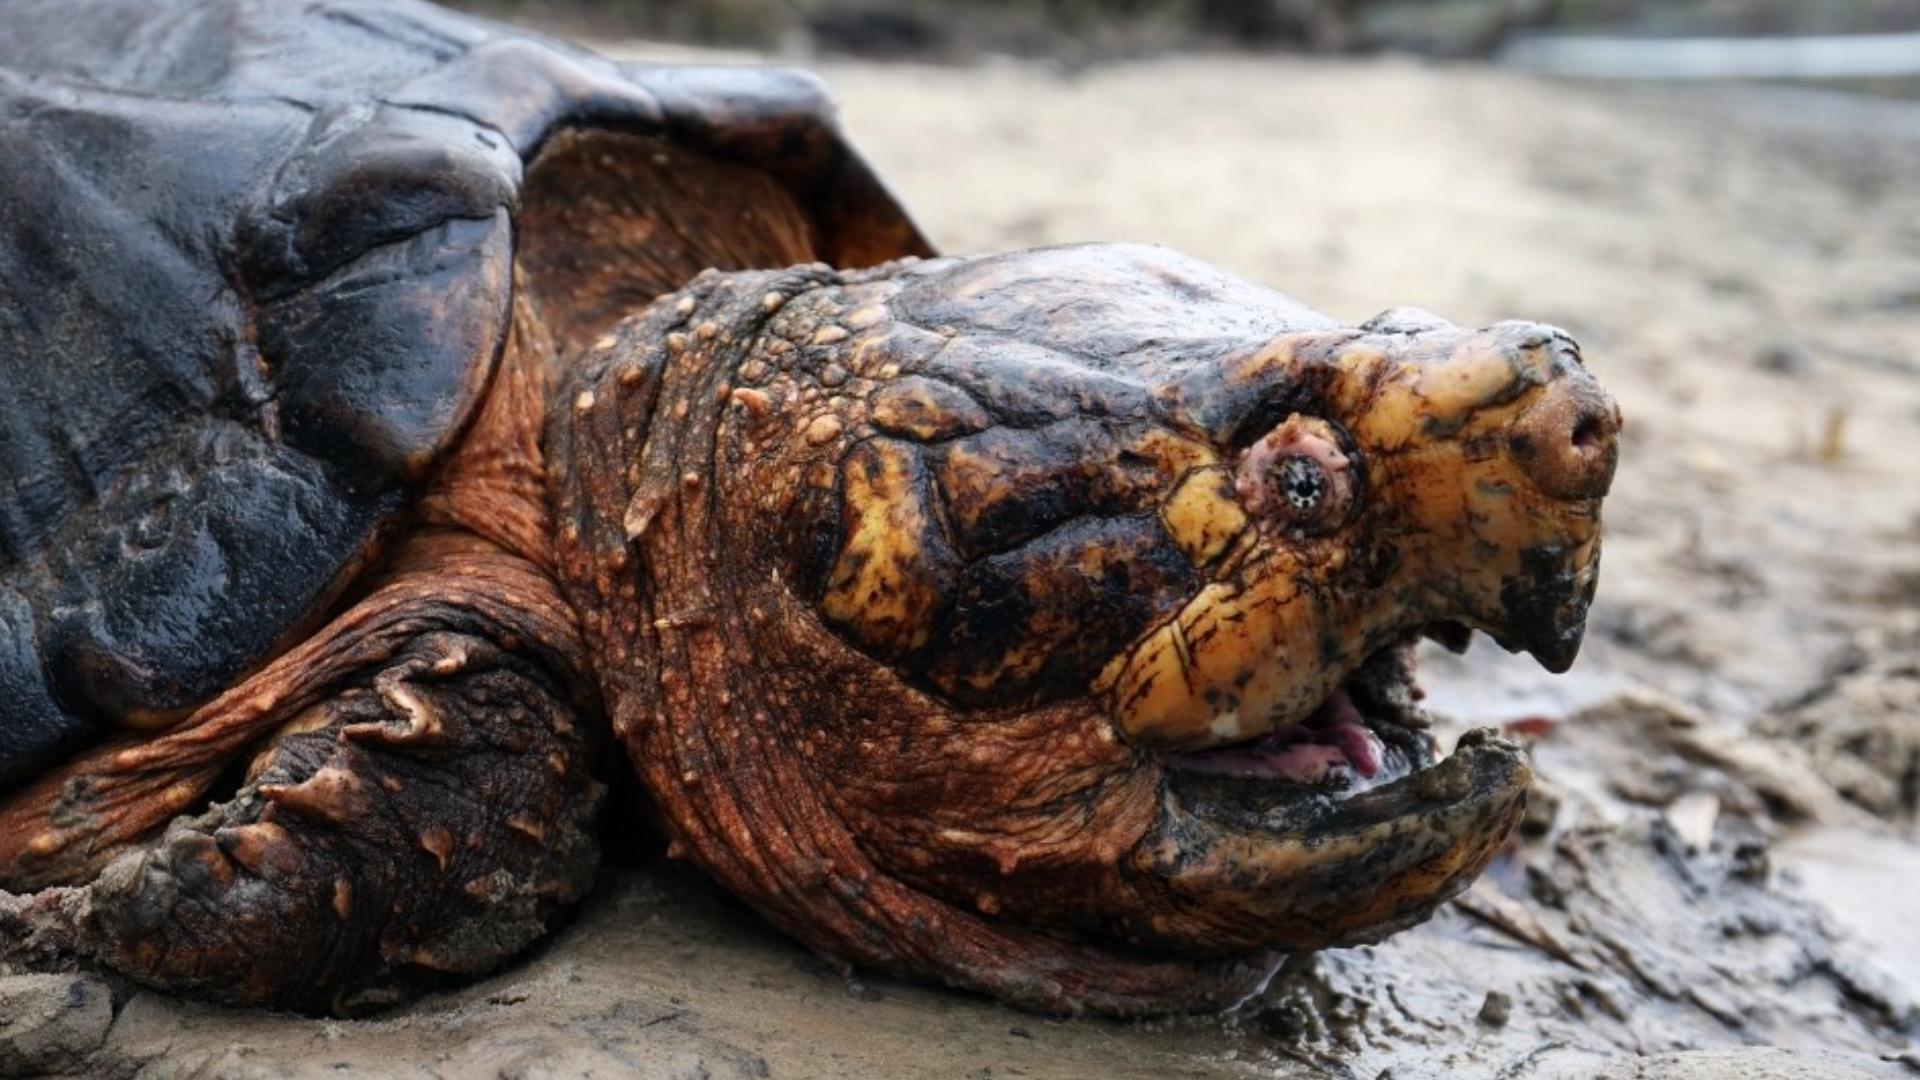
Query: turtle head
{"x": 1405, "y": 477}
{"x": 1044, "y": 622}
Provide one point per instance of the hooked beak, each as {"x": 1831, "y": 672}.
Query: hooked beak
{"x": 1547, "y": 603}
{"x": 1567, "y": 445}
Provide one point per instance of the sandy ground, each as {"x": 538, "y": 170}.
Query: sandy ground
{"x": 1717, "y": 878}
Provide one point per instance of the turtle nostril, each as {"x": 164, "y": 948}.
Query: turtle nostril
{"x": 1588, "y": 433}
{"x": 1568, "y": 441}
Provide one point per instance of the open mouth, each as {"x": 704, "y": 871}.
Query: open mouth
{"x": 1369, "y": 732}
{"x": 1343, "y": 827}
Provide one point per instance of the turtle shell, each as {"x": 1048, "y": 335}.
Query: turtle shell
{"x": 256, "y": 266}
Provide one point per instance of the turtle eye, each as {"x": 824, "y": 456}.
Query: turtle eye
{"x": 1303, "y": 482}
{"x": 1298, "y": 477}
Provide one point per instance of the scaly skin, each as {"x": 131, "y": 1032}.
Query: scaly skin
{"x": 415, "y": 799}
{"x": 893, "y": 580}
{"x": 906, "y": 590}
{"x": 898, "y": 587}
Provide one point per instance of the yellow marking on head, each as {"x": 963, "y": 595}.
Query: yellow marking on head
{"x": 878, "y": 588}
{"x": 1234, "y": 662}
{"x": 1477, "y": 381}
{"x": 925, "y": 410}
{"x": 1465, "y": 382}
{"x": 1202, "y": 515}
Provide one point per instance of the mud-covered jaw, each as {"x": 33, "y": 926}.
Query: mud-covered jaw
{"x": 1339, "y": 829}
{"x": 1547, "y": 605}
{"x": 1314, "y": 872}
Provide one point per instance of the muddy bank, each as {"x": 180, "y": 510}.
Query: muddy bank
{"x": 1651, "y": 948}
{"x": 662, "y": 977}
{"x": 1712, "y": 880}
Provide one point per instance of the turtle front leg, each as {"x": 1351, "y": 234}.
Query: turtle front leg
{"x": 427, "y": 817}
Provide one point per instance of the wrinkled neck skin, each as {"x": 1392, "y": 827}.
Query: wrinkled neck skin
{"x": 786, "y": 763}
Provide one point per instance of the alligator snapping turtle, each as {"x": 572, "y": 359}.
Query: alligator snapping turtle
{"x": 381, "y": 457}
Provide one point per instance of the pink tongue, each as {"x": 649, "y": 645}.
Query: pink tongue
{"x": 1308, "y": 763}
{"x": 1361, "y": 746}
{"x": 1339, "y": 721}
{"x": 1328, "y": 746}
